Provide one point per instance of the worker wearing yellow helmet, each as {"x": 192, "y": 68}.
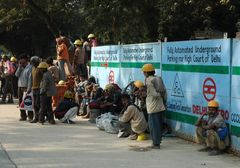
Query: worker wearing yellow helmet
{"x": 92, "y": 40}
{"x": 138, "y": 84}
{"x": 212, "y": 130}
{"x": 47, "y": 90}
{"x": 156, "y": 99}
{"x": 80, "y": 60}
{"x": 13, "y": 59}
{"x": 67, "y": 109}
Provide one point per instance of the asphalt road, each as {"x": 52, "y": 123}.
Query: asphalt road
{"x": 82, "y": 145}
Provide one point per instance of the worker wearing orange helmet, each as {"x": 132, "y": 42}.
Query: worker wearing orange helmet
{"x": 156, "y": 104}
{"x": 212, "y": 130}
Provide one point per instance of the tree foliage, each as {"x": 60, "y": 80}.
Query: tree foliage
{"x": 31, "y": 25}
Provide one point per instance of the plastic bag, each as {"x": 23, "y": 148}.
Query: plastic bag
{"x": 99, "y": 121}
{"x": 111, "y": 125}
{"x": 108, "y": 122}
{"x": 27, "y": 102}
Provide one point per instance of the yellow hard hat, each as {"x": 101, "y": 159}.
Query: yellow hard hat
{"x": 91, "y": 36}
{"x": 138, "y": 83}
{"x": 13, "y": 59}
{"x": 68, "y": 94}
{"x": 141, "y": 137}
{"x": 148, "y": 68}
{"x": 213, "y": 103}
{"x": 43, "y": 65}
{"x": 109, "y": 87}
{"x": 78, "y": 42}
{"x": 4, "y": 56}
{"x": 61, "y": 82}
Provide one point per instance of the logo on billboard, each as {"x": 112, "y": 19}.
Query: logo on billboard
{"x": 105, "y": 64}
{"x": 111, "y": 77}
{"x": 177, "y": 88}
{"x": 209, "y": 89}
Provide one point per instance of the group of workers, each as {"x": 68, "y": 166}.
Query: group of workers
{"x": 139, "y": 111}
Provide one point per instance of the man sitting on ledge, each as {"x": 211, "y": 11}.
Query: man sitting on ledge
{"x": 212, "y": 130}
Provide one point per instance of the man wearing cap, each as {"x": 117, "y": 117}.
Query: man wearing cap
{"x": 212, "y": 130}
{"x": 47, "y": 90}
{"x": 67, "y": 109}
{"x": 111, "y": 101}
{"x": 92, "y": 40}
{"x": 156, "y": 104}
{"x": 80, "y": 60}
{"x": 62, "y": 57}
{"x": 131, "y": 120}
{"x": 34, "y": 86}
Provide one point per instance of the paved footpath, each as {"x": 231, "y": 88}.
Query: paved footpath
{"x": 82, "y": 145}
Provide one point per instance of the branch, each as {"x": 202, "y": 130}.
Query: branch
{"x": 43, "y": 15}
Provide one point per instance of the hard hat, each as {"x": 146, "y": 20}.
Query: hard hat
{"x": 13, "y": 59}
{"x": 68, "y": 94}
{"x": 148, "y": 68}
{"x": 109, "y": 87}
{"x": 61, "y": 82}
{"x": 91, "y": 36}
{"x": 4, "y": 56}
{"x": 213, "y": 103}
{"x": 138, "y": 83}
{"x": 141, "y": 137}
{"x": 78, "y": 42}
{"x": 43, "y": 65}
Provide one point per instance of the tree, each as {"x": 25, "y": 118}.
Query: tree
{"x": 180, "y": 19}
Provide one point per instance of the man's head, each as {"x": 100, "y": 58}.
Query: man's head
{"x": 148, "y": 70}
{"x": 68, "y": 95}
{"x": 125, "y": 99}
{"x": 23, "y": 60}
{"x": 4, "y": 57}
{"x": 91, "y": 36}
{"x": 35, "y": 60}
{"x": 43, "y": 66}
{"x": 138, "y": 84}
{"x": 78, "y": 43}
{"x": 213, "y": 108}
{"x": 49, "y": 61}
{"x": 59, "y": 40}
{"x": 109, "y": 89}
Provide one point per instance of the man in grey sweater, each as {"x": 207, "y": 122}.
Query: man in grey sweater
{"x": 23, "y": 73}
{"x": 156, "y": 104}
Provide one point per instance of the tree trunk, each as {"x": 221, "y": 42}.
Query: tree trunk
{"x": 44, "y": 16}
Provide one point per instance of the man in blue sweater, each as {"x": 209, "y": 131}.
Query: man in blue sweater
{"x": 67, "y": 109}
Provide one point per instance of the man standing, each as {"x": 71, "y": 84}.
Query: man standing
{"x": 80, "y": 60}
{"x": 23, "y": 73}
{"x": 8, "y": 71}
{"x": 62, "y": 57}
{"x": 34, "y": 86}
{"x": 156, "y": 103}
{"x": 212, "y": 130}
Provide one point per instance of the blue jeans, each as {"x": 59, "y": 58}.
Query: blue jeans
{"x": 155, "y": 122}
